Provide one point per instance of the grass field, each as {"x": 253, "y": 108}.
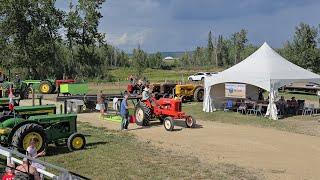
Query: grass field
{"x": 116, "y": 155}
{"x": 156, "y": 75}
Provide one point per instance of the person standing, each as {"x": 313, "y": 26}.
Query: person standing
{"x": 124, "y": 112}
{"x": 100, "y": 103}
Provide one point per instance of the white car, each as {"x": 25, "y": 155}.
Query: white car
{"x": 199, "y": 76}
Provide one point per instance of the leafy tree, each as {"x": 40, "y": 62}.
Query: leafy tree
{"x": 303, "y": 49}
{"x": 139, "y": 59}
{"x": 239, "y": 40}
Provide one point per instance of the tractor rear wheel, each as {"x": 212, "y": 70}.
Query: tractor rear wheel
{"x": 45, "y": 87}
{"x": 168, "y": 124}
{"x": 22, "y": 137}
{"x": 142, "y": 114}
{"x": 190, "y": 122}
{"x": 198, "y": 94}
{"x": 76, "y": 141}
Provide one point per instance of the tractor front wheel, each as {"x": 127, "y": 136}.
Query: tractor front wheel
{"x": 22, "y": 137}
{"x": 190, "y": 122}
{"x": 45, "y": 87}
{"x": 76, "y": 141}
{"x": 198, "y": 94}
{"x": 168, "y": 124}
{"x": 142, "y": 114}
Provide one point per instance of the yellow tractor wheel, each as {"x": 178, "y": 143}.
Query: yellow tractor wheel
{"x": 23, "y": 136}
{"x": 76, "y": 141}
{"x": 45, "y": 87}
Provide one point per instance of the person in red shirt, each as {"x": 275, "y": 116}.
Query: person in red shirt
{"x": 9, "y": 175}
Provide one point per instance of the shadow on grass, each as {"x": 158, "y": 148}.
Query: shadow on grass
{"x": 63, "y": 149}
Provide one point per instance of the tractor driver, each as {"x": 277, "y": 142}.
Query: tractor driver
{"x": 145, "y": 94}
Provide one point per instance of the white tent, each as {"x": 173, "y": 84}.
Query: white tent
{"x": 266, "y": 69}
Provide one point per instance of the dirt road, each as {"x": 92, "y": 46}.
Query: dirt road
{"x": 280, "y": 155}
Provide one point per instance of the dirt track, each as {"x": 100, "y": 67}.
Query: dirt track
{"x": 279, "y": 154}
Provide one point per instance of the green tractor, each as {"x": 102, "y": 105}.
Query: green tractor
{"x": 42, "y": 124}
{"x": 20, "y": 89}
{"x": 47, "y": 86}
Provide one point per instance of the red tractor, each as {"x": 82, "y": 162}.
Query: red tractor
{"x": 165, "y": 109}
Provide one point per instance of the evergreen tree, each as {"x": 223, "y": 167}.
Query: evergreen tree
{"x": 209, "y": 49}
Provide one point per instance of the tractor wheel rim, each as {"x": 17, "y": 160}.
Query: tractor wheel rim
{"x": 189, "y": 121}
{"x": 45, "y": 88}
{"x": 32, "y": 135}
{"x": 77, "y": 143}
{"x": 139, "y": 115}
{"x": 167, "y": 124}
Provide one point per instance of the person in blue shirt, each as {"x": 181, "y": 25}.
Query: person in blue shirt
{"x": 124, "y": 112}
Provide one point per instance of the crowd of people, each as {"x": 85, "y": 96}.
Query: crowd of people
{"x": 288, "y": 107}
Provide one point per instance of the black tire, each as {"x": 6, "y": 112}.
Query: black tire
{"x": 190, "y": 122}
{"x": 183, "y": 99}
{"x": 24, "y": 94}
{"x": 27, "y": 131}
{"x": 161, "y": 119}
{"x": 71, "y": 142}
{"x": 45, "y": 87}
{"x": 143, "y": 114}
{"x": 202, "y": 78}
{"x": 198, "y": 94}
{"x": 168, "y": 124}
{"x": 190, "y": 79}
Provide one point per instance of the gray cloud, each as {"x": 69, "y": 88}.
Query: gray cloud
{"x": 175, "y": 25}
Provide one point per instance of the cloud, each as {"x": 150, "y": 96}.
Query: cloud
{"x": 221, "y": 9}
{"x": 178, "y": 25}
{"x": 130, "y": 39}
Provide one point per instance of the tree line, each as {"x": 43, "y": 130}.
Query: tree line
{"x": 40, "y": 41}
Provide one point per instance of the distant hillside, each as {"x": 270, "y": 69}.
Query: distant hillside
{"x": 172, "y": 54}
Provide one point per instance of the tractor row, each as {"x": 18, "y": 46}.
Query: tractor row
{"x": 41, "y": 124}
{"x": 186, "y": 92}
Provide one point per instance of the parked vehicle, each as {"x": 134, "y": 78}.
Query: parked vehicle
{"x": 42, "y": 124}
{"x": 199, "y": 76}
{"x": 166, "y": 110}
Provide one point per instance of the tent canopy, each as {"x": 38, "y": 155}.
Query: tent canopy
{"x": 266, "y": 69}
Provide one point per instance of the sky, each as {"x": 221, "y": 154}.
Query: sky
{"x": 182, "y": 25}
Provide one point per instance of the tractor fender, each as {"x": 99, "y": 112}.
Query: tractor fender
{"x": 16, "y": 127}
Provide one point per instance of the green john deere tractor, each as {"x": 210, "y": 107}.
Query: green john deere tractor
{"x": 42, "y": 124}
{"x": 20, "y": 89}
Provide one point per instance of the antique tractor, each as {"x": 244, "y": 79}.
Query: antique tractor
{"x": 47, "y": 86}
{"x": 189, "y": 92}
{"x": 41, "y": 124}
{"x": 20, "y": 89}
{"x": 165, "y": 109}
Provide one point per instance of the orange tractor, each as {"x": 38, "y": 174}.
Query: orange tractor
{"x": 165, "y": 109}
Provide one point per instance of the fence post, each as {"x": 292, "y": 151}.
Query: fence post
{"x": 9, "y": 158}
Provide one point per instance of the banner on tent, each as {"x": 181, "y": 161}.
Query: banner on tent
{"x": 233, "y": 90}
